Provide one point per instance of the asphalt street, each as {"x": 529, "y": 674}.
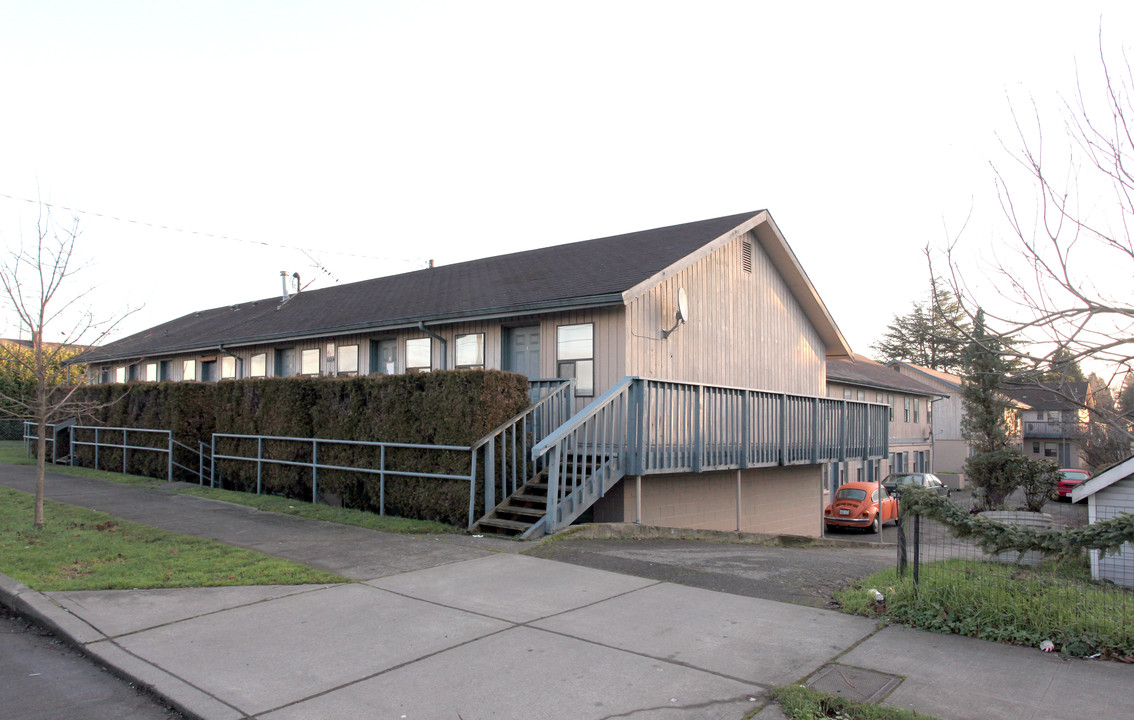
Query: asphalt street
{"x": 42, "y": 678}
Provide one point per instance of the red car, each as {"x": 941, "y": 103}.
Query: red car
{"x": 1068, "y": 479}
{"x": 861, "y": 505}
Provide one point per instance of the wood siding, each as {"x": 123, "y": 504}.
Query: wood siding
{"x": 745, "y": 328}
{"x": 1103, "y": 505}
{"x": 609, "y": 347}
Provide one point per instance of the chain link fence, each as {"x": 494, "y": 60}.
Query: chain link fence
{"x": 1089, "y": 594}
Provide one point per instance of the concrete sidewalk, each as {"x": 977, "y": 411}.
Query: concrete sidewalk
{"x": 463, "y": 627}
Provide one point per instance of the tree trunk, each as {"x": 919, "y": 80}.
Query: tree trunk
{"x": 40, "y": 470}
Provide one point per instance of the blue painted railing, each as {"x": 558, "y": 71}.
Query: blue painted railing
{"x": 642, "y": 427}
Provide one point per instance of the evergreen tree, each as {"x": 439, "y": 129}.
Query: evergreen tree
{"x": 1062, "y": 368}
{"x": 995, "y": 466}
{"x": 933, "y": 334}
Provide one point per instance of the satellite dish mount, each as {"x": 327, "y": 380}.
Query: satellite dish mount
{"x": 682, "y": 315}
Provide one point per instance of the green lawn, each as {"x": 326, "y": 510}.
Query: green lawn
{"x": 12, "y": 453}
{"x": 1005, "y": 603}
{"x": 83, "y": 549}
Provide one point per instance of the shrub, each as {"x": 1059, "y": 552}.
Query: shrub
{"x": 455, "y": 407}
{"x": 1040, "y": 478}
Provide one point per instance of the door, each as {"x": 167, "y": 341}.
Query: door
{"x": 521, "y": 350}
{"x": 285, "y": 362}
{"x": 384, "y": 357}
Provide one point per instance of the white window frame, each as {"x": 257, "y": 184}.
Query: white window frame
{"x": 461, "y": 343}
{"x": 228, "y": 367}
{"x": 344, "y": 357}
{"x": 576, "y": 362}
{"x": 414, "y": 347}
{"x": 309, "y": 361}
{"x": 189, "y": 370}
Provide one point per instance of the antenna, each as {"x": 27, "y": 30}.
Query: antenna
{"x": 682, "y": 314}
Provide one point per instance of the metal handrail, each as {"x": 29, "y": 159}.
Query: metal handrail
{"x": 583, "y": 415}
{"x": 516, "y": 435}
{"x": 381, "y": 471}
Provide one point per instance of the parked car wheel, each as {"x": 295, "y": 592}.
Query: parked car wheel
{"x": 876, "y": 526}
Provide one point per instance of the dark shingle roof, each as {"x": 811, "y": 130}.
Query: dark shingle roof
{"x": 1049, "y": 396}
{"x": 580, "y": 274}
{"x": 864, "y": 372}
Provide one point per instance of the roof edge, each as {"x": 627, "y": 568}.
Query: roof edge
{"x": 786, "y": 263}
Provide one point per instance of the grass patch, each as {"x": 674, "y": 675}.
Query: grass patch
{"x": 83, "y": 549}
{"x": 12, "y": 453}
{"x": 1005, "y": 603}
{"x": 801, "y": 703}
{"x": 343, "y": 516}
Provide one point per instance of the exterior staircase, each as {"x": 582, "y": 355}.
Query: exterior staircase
{"x": 524, "y": 512}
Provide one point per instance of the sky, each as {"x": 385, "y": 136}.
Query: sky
{"x": 207, "y": 146}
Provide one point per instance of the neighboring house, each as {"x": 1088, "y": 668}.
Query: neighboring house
{"x": 950, "y": 450}
{"x": 1109, "y": 493}
{"x": 601, "y": 312}
{"x": 1053, "y": 423}
{"x": 910, "y": 404}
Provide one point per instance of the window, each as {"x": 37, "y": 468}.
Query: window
{"x": 189, "y": 370}
{"x": 1035, "y": 448}
{"x": 470, "y": 351}
{"x": 151, "y": 372}
{"x": 906, "y": 404}
{"x": 917, "y": 410}
{"x": 1050, "y": 450}
{"x": 878, "y": 399}
{"x": 890, "y": 402}
{"x": 384, "y": 357}
{"x": 259, "y": 365}
{"x": 846, "y": 393}
{"x": 228, "y": 367}
{"x": 861, "y": 397}
{"x": 164, "y": 370}
{"x": 419, "y": 354}
{"x": 348, "y": 360}
{"x": 209, "y": 370}
{"x": 309, "y": 361}
{"x": 120, "y": 374}
{"x": 574, "y": 345}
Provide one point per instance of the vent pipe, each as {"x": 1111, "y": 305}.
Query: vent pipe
{"x": 283, "y": 280}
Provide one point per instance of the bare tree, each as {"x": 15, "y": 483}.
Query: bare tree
{"x": 1065, "y": 294}
{"x": 35, "y": 281}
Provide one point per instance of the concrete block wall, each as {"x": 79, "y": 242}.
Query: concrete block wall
{"x": 782, "y": 500}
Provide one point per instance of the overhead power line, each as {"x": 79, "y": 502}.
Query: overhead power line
{"x": 198, "y": 233}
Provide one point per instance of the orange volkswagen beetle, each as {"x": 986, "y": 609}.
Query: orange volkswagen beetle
{"x": 861, "y": 505}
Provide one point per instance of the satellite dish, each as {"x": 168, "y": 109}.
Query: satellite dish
{"x": 682, "y": 313}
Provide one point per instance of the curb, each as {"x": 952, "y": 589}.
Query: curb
{"x": 190, "y": 701}
{"x": 633, "y": 531}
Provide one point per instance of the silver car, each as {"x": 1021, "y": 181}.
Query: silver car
{"x": 894, "y": 482}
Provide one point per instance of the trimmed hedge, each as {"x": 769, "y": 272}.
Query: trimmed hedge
{"x": 455, "y": 407}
